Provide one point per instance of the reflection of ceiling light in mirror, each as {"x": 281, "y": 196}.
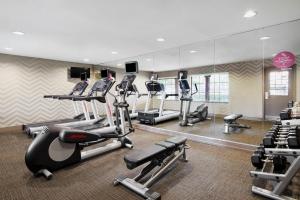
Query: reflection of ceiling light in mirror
{"x": 86, "y": 60}
{"x": 148, "y": 59}
{"x": 8, "y": 48}
{"x": 119, "y": 64}
{"x": 265, "y": 38}
{"x": 160, "y": 40}
{"x": 250, "y": 13}
{"x": 114, "y": 52}
{"x": 18, "y": 33}
{"x": 193, "y": 51}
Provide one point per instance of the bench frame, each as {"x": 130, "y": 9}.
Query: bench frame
{"x": 135, "y": 184}
{"x": 234, "y": 124}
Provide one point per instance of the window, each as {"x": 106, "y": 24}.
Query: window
{"x": 279, "y": 83}
{"x": 218, "y": 87}
{"x": 200, "y": 82}
{"x": 211, "y": 87}
{"x": 170, "y": 86}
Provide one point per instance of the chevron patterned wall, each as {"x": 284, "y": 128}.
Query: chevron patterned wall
{"x": 245, "y": 89}
{"x": 25, "y": 80}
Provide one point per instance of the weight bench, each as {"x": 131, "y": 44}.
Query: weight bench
{"x": 231, "y": 122}
{"x": 161, "y": 156}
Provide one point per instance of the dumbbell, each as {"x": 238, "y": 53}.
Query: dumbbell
{"x": 275, "y": 134}
{"x": 258, "y": 156}
{"x": 291, "y": 139}
{"x": 258, "y": 159}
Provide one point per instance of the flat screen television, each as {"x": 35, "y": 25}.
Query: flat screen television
{"x": 75, "y": 72}
{"x": 131, "y": 67}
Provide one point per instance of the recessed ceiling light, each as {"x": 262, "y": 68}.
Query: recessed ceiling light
{"x": 119, "y": 64}
{"x": 148, "y": 59}
{"x": 86, "y": 60}
{"x": 250, "y": 13}
{"x": 8, "y": 48}
{"x": 160, "y": 39}
{"x": 18, "y": 33}
{"x": 193, "y": 51}
{"x": 114, "y": 52}
{"x": 265, "y": 38}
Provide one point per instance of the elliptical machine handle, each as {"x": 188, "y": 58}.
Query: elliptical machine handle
{"x": 196, "y": 89}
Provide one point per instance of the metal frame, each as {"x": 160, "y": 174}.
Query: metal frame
{"x": 234, "y": 124}
{"x": 280, "y": 181}
{"x": 142, "y": 189}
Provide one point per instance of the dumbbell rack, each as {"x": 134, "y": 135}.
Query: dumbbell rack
{"x": 280, "y": 181}
{"x": 290, "y": 122}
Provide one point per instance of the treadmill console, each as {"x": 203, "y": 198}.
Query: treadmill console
{"x": 103, "y": 85}
{"x": 131, "y": 69}
{"x": 154, "y": 87}
{"x": 79, "y": 88}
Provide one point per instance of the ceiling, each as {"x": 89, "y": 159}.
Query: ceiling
{"x": 234, "y": 48}
{"x": 74, "y": 30}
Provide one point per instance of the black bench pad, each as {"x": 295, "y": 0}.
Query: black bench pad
{"x": 139, "y": 157}
{"x": 233, "y": 117}
{"x": 178, "y": 140}
{"x": 166, "y": 144}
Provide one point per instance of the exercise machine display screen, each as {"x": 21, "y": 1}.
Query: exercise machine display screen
{"x": 184, "y": 85}
{"x": 132, "y": 67}
{"x": 83, "y": 76}
{"x": 154, "y": 76}
{"x": 106, "y": 72}
{"x": 75, "y": 72}
{"x": 182, "y": 74}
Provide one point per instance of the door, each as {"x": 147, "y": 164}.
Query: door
{"x": 279, "y": 89}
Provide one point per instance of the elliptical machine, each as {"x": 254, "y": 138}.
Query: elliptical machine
{"x": 56, "y": 148}
{"x": 189, "y": 118}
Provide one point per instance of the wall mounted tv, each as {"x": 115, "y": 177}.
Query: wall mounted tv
{"x": 75, "y": 72}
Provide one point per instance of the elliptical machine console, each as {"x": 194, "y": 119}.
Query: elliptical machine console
{"x": 201, "y": 112}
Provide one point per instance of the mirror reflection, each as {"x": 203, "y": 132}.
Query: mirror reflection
{"x": 224, "y": 90}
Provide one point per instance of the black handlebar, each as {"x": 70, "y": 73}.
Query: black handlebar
{"x": 196, "y": 90}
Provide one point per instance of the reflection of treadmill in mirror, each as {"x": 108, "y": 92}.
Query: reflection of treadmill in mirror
{"x": 153, "y": 117}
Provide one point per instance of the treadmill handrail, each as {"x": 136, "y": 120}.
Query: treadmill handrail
{"x": 98, "y": 98}
{"x": 67, "y": 97}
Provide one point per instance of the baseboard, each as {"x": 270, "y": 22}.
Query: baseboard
{"x": 271, "y": 118}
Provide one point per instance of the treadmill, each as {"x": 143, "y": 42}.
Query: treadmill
{"x": 100, "y": 88}
{"x": 132, "y": 90}
{"x": 77, "y": 90}
{"x": 153, "y": 117}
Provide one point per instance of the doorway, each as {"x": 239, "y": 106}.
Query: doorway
{"x": 278, "y": 90}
